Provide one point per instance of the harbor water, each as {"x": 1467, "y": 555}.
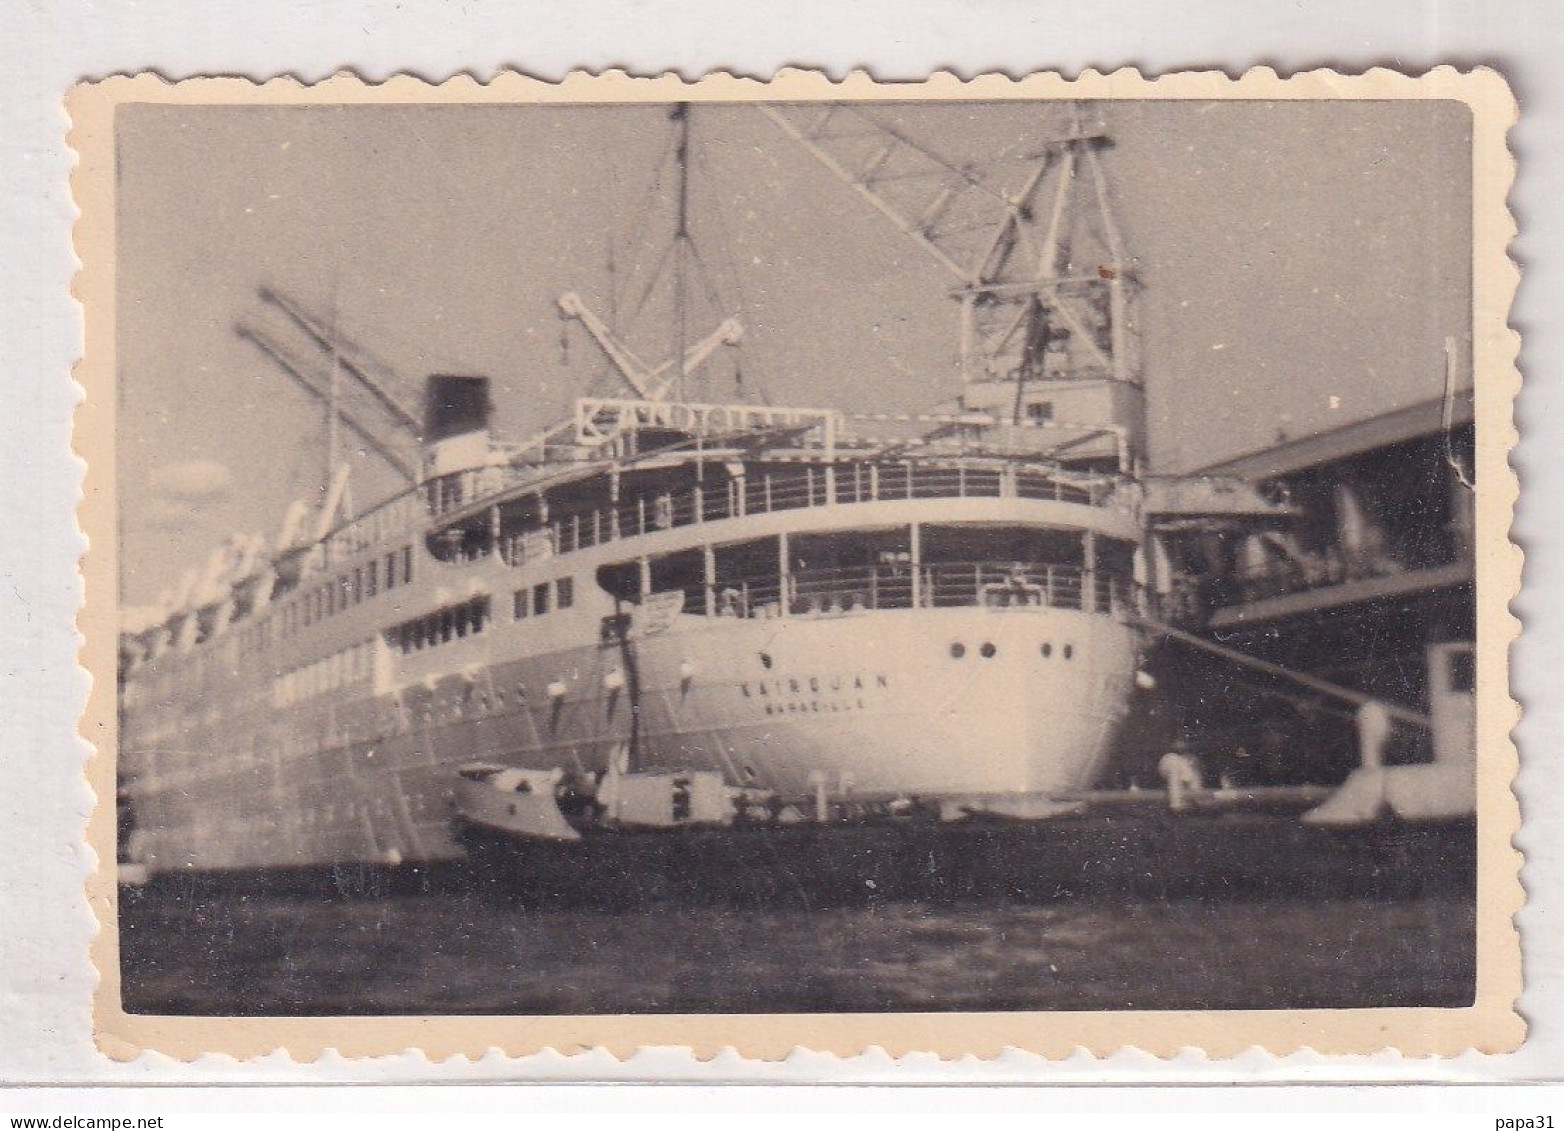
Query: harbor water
{"x": 1139, "y": 912}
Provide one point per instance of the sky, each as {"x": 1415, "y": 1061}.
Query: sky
{"x": 1302, "y": 265}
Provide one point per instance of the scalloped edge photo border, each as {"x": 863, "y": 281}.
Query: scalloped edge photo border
{"x": 1491, "y": 1025}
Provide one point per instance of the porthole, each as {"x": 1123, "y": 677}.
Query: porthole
{"x": 1048, "y": 649}
{"x": 1069, "y": 651}
{"x": 958, "y": 650}
{"x": 988, "y": 650}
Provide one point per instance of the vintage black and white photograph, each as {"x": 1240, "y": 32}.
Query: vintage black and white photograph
{"x": 835, "y": 556}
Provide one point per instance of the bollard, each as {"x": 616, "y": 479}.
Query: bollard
{"x": 1374, "y": 723}
{"x": 1182, "y": 774}
{"x": 822, "y": 804}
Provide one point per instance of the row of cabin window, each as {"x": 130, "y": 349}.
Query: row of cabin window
{"x": 327, "y": 674}
{"x": 470, "y": 618}
{"x": 543, "y": 598}
{"x": 456, "y": 622}
{"x": 349, "y": 589}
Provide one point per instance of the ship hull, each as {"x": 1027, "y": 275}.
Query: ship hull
{"x": 918, "y": 703}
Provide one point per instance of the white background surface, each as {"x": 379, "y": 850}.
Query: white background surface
{"x": 45, "y": 981}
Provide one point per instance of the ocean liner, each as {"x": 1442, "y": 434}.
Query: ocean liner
{"x": 766, "y": 612}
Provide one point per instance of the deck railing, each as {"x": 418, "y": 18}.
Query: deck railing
{"x": 808, "y": 486}
{"x": 940, "y": 585}
{"x": 388, "y": 522}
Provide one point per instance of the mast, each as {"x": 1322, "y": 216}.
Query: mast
{"x": 333, "y": 407}
{"x": 669, "y": 379}
{"x": 681, "y": 237}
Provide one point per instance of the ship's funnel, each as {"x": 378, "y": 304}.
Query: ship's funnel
{"x": 455, "y": 406}
{"x": 456, "y": 423}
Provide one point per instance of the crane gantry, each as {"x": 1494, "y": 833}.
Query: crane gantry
{"x": 1040, "y": 272}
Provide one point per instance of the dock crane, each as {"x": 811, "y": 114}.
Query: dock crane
{"x": 1044, "y": 287}
{"x": 1046, "y": 295}
{"x": 375, "y": 437}
{"x": 370, "y": 375}
{"x": 367, "y": 403}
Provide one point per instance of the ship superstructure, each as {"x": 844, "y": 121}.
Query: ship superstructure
{"x": 813, "y": 606}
